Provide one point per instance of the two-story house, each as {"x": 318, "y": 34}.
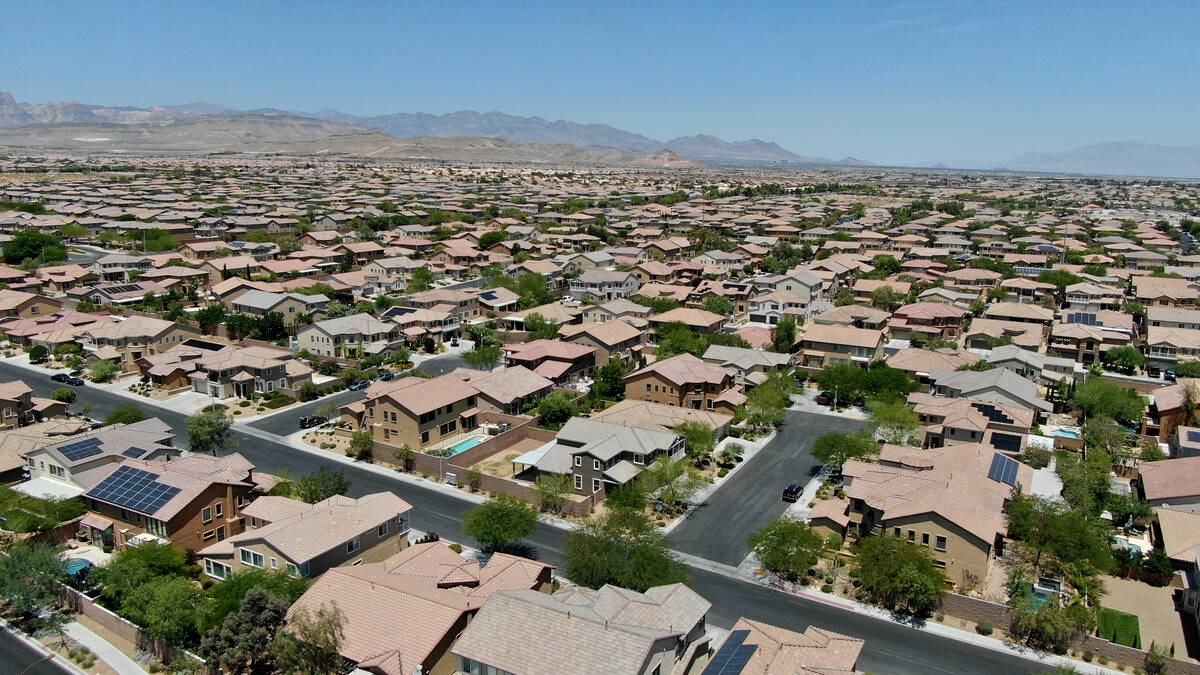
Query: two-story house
{"x": 828, "y": 344}
{"x": 347, "y": 336}
{"x": 604, "y": 284}
{"x": 683, "y": 381}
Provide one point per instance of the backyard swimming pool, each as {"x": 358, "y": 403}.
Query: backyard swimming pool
{"x": 467, "y": 444}
{"x": 1065, "y": 433}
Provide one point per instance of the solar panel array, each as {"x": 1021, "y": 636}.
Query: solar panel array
{"x": 992, "y": 413}
{"x": 732, "y": 657}
{"x": 134, "y": 489}
{"x": 124, "y": 288}
{"x": 1004, "y": 470}
{"x": 134, "y": 452}
{"x": 1006, "y": 442}
{"x": 1085, "y": 318}
{"x": 80, "y": 449}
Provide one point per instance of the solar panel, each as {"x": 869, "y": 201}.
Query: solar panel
{"x": 1003, "y": 470}
{"x": 134, "y": 489}
{"x": 731, "y": 658}
{"x": 1085, "y": 318}
{"x": 1193, "y": 436}
{"x": 81, "y": 449}
{"x": 134, "y": 452}
{"x": 1006, "y": 442}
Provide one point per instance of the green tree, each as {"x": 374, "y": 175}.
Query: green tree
{"x": 610, "y": 381}
{"x": 420, "y": 280}
{"x": 718, "y": 304}
{"x": 126, "y": 413}
{"x": 783, "y": 335}
{"x": 1054, "y": 534}
{"x": 698, "y": 440}
{"x": 500, "y": 522}
{"x": 225, "y": 597}
{"x": 887, "y": 298}
{"x": 1050, "y": 626}
{"x": 672, "y": 480}
{"x": 37, "y": 353}
{"x": 1124, "y": 359}
{"x": 539, "y": 328}
{"x": 321, "y": 485}
{"x": 676, "y": 338}
{"x": 241, "y": 644}
{"x": 484, "y": 357}
{"x": 624, "y": 548}
{"x": 898, "y": 574}
{"x": 135, "y": 566}
{"x": 551, "y": 490}
{"x": 64, "y": 395}
{"x": 835, "y": 448}
{"x": 362, "y": 445}
{"x": 30, "y": 577}
{"x": 787, "y": 547}
{"x": 102, "y": 370}
{"x": 209, "y": 432}
{"x": 335, "y": 310}
{"x": 1098, "y": 396}
{"x": 894, "y": 422}
{"x": 555, "y": 409}
{"x": 32, "y": 244}
{"x": 312, "y": 642}
{"x": 844, "y": 379}
{"x": 166, "y": 608}
{"x": 629, "y": 497}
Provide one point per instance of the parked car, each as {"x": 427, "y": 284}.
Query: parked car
{"x": 60, "y": 377}
{"x": 860, "y": 402}
{"x": 824, "y": 398}
{"x": 309, "y": 421}
{"x": 360, "y": 385}
{"x": 791, "y": 493}
{"x": 454, "y": 342}
{"x": 74, "y": 381}
{"x": 386, "y": 377}
{"x": 1169, "y": 376}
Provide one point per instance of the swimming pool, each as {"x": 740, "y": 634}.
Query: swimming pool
{"x": 467, "y": 444}
{"x": 1065, "y": 433}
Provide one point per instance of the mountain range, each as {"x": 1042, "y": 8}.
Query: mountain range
{"x": 1123, "y": 158}
{"x": 599, "y": 138}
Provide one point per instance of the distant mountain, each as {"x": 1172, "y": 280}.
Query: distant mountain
{"x": 665, "y": 159}
{"x": 1125, "y": 158}
{"x": 605, "y": 140}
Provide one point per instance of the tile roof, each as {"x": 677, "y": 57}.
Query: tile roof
{"x": 814, "y": 652}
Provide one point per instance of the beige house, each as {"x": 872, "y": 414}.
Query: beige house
{"x": 684, "y": 381}
{"x": 26, "y": 305}
{"x": 828, "y": 344}
{"x": 127, "y": 341}
{"x": 416, "y": 412}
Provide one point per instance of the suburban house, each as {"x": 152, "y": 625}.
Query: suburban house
{"x": 403, "y": 614}
{"x": 816, "y": 651}
{"x": 507, "y": 391}
{"x": 1166, "y": 347}
{"x": 664, "y": 418}
{"x": 19, "y": 407}
{"x": 416, "y": 412}
{"x": 601, "y": 456}
{"x": 119, "y": 267}
{"x": 570, "y": 632}
{"x": 1170, "y": 481}
{"x": 928, "y": 320}
{"x": 953, "y": 421}
{"x": 126, "y": 341}
{"x": 243, "y": 371}
{"x": 290, "y": 305}
{"x": 698, "y": 320}
{"x": 345, "y": 336}
{"x": 918, "y": 362}
{"x": 189, "y": 502}
{"x": 751, "y": 365}
{"x": 770, "y": 307}
{"x": 990, "y": 333}
{"x": 998, "y": 385}
{"x": 557, "y": 360}
{"x": 314, "y": 537}
{"x": 684, "y": 381}
{"x": 857, "y": 316}
{"x": 1032, "y": 365}
{"x": 26, "y": 305}
{"x": 828, "y": 344}
{"x": 74, "y": 462}
{"x": 613, "y": 341}
{"x": 950, "y": 501}
{"x": 604, "y": 284}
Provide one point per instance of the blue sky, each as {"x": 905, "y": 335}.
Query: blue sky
{"x": 895, "y": 82}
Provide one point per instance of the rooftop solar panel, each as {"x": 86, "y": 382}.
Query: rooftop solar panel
{"x": 134, "y": 452}
{"x": 719, "y": 661}
{"x": 1003, "y": 470}
{"x": 81, "y": 449}
{"x": 1007, "y": 442}
{"x": 134, "y": 489}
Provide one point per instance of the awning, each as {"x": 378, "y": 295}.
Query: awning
{"x": 470, "y": 412}
{"x": 97, "y": 522}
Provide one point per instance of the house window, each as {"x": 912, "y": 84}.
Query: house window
{"x": 251, "y": 558}
{"x": 578, "y": 482}
{"x": 912, "y": 535}
{"x": 221, "y": 533}
{"x": 219, "y": 507}
{"x": 216, "y": 570}
{"x": 274, "y": 563}
{"x": 578, "y": 460}
{"x": 292, "y": 569}
{"x": 639, "y": 459}
{"x": 210, "y": 534}
{"x": 352, "y": 545}
{"x": 424, "y": 437}
{"x": 924, "y": 538}
{"x": 596, "y": 464}
{"x": 206, "y": 514}
{"x": 940, "y": 564}
{"x": 941, "y": 544}
{"x": 382, "y": 530}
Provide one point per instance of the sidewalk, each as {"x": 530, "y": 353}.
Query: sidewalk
{"x": 105, "y": 651}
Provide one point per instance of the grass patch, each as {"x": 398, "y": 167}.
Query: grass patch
{"x": 1119, "y": 627}
{"x": 278, "y": 402}
{"x": 23, "y": 513}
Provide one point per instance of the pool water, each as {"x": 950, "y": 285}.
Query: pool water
{"x": 1065, "y": 433}
{"x": 467, "y": 444}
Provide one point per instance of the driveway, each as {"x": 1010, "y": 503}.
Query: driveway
{"x": 440, "y": 365}
{"x": 717, "y": 530}
{"x": 287, "y": 421}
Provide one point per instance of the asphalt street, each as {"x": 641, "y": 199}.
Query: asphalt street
{"x": 717, "y": 529}
{"x": 18, "y": 657}
{"x": 890, "y": 647}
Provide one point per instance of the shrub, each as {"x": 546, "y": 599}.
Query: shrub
{"x": 279, "y": 402}
{"x": 985, "y": 627}
{"x": 1088, "y": 656}
{"x": 722, "y": 472}
{"x": 826, "y": 588}
{"x": 457, "y": 548}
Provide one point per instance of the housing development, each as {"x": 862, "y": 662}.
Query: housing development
{"x": 325, "y": 414}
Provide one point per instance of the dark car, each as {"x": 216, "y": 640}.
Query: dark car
{"x": 359, "y": 385}
{"x": 386, "y": 377}
{"x": 860, "y": 402}
{"x": 824, "y": 398}
{"x": 791, "y": 493}
{"x": 1169, "y": 376}
{"x": 74, "y": 381}
{"x": 60, "y": 377}
{"x": 310, "y": 421}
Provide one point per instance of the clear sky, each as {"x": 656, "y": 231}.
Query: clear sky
{"x": 892, "y": 82}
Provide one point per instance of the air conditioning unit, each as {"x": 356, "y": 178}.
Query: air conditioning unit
{"x": 452, "y": 478}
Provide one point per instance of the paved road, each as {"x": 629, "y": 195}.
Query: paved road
{"x": 890, "y": 647}
{"x": 16, "y": 656}
{"x": 440, "y": 365}
{"x": 288, "y": 421}
{"x": 717, "y": 529}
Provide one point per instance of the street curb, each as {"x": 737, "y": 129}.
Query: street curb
{"x": 57, "y": 659}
